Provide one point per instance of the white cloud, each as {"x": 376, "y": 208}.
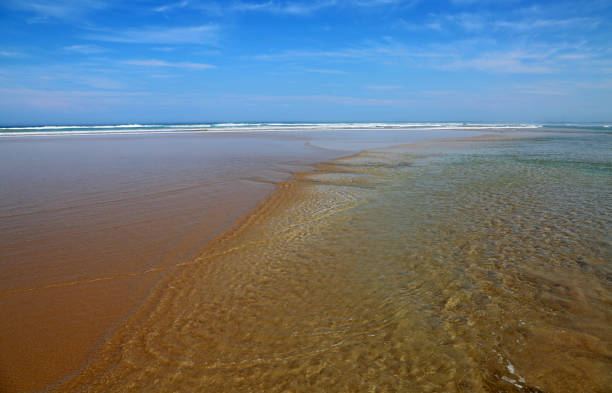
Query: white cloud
{"x": 56, "y": 9}
{"x": 383, "y": 87}
{"x": 333, "y": 99}
{"x": 500, "y": 62}
{"x": 374, "y": 3}
{"x": 5, "y": 53}
{"x": 324, "y": 71}
{"x": 456, "y": 55}
{"x": 370, "y": 52}
{"x": 171, "y": 6}
{"x": 266, "y": 6}
{"x": 65, "y": 99}
{"x": 99, "y": 82}
{"x": 574, "y": 56}
{"x": 164, "y": 48}
{"x": 85, "y": 49}
{"x": 204, "y": 34}
{"x": 297, "y": 8}
{"x": 602, "y": 84}
{"x": 488, "y": 22}
{"x": 162, "y": 63}
{"x": 524, "y": 25}
{"x": 542, "y": 91}
{"x": 358, "y": 53}
{"x": 482, "y": 2}
{"x": 467, "y": 21}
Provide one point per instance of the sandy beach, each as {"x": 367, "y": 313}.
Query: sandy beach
{"x": 215, "y": 243}
{"x": 411, "y": 268}
{"x": 89, "y": 224}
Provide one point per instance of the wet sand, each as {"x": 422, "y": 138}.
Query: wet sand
{"x": 90, "y": 224}
{"x": 434, "y": 267}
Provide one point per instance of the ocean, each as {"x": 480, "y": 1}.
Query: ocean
{"x": 135, "y": 129}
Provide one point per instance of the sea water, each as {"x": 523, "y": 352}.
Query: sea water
{"x": 89, "y": 222}
{"x": 479, "y": 265}
{"x": 176, "y": 129}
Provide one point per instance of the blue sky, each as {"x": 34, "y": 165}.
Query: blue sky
{"x": 111, "y": 61}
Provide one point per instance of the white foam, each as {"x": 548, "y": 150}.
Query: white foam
{"x": 248, "y": 127}
{"x": 188, "y": 125}
{"x": 83, "y": 127}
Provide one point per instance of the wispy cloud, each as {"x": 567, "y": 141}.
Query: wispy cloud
{"x": 86, "y": 49}
{"x": 49, "y": 76}
{"x": 5, "y": 53}
{"x": 100, "y": 82}
{"x": 541, "y": 91}
{"x": 381, "y": 52}
{"x": 56, "y": 9}
{"x": 436, "y": 25}
{"x": 375, "y": 3}
{"x": 602, "y": 84}
{"x": 164, "y": 48}
{"x": 64, "y": 99}
{"x": 171, "y": 6}
{"x": 482, "y": 2}
{"x": 264, "y": 6}
{"x": 332, "y": 99}
{"x": 574, "y": 56}
{"x": 358, "y": 52}
{"x": 511, "y": 62}
{"x": 476, "y": 54}
{"x": 483, "y": 21}
{"x": 297, "y": 8}
{"x": 324, "y": 71}
{"x": 526, "y": 25}
{"x": 383, "y": 87}
{"x": 163, "y": 75}
{"x": 204, "y": 34}
{"x": 162, "y": 63}
{"x": 290, "y": 7}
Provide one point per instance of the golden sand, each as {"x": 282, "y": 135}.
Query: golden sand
{"x": 345, "y": 280}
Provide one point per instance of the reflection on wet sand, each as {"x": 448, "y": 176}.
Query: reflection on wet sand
{"x": 89, "y": 224}
{"x": 458, "y": 266}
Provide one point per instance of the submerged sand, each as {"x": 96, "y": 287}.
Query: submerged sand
{"x": 89, "y": 224}
{"x": 442, "y": 267}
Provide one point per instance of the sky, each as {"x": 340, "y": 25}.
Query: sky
{"x": 167, "y": 61}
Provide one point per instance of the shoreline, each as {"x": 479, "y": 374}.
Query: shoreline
{"x": 282, "y": 195}
{"x": 254, "y": 131}
{"x": 257, "y": 179}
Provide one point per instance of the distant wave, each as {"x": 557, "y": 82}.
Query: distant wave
{"x": 580, "y": 126}
{"x": 236, "y": 124}
{"x": 77, "y": 127}
{"x": 133, "y": 129}
{"x": 187, "y": 125}
{"x": 355, "y": 126}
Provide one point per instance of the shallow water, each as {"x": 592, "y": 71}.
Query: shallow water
{"x": 89, "y": 223}
{"x": 451, "y": 266}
